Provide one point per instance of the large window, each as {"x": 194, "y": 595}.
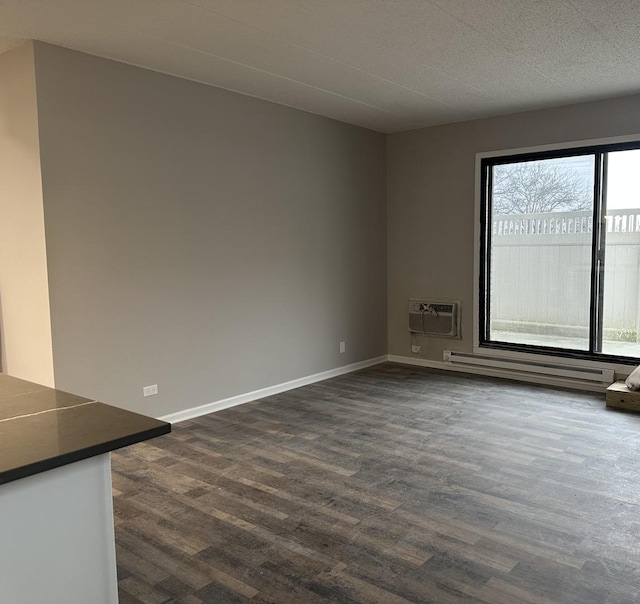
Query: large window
{"x": 560, "y": 252}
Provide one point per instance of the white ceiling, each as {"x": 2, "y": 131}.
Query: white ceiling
{"x": 389, "y": 65}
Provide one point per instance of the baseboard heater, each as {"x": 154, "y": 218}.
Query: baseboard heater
{"x": 580, "y": 373}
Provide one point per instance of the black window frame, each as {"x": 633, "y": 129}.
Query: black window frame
{"x": 597, "y": 252}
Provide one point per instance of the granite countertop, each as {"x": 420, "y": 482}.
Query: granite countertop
{"x": 42, "y": 428}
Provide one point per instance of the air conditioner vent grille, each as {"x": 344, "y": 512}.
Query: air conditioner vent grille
{"x": 434, "y": 317}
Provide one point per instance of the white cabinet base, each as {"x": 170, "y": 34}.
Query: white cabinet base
{"x": 56, "y": 536}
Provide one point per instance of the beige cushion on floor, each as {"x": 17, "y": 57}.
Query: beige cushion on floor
{"x": 633, "y": 381}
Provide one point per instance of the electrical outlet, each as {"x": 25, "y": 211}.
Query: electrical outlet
{"x": 150, "y": 390}
{"x": 416, "y": 349}
{"x": 446, "y": 355}
{"x": 343, "y": 347}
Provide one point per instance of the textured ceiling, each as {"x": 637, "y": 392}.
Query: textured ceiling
{"x": 389, "y": 65}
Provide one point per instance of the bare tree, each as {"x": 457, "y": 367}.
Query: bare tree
{"x": 538, "y": 186}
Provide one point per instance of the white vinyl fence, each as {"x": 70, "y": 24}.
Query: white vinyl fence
{"x": 541, "y": 274}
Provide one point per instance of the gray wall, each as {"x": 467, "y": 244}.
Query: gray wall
{"x": 25, "y": 328}
{"x": 430, "y": 196}
{"x": 202, "y": 240}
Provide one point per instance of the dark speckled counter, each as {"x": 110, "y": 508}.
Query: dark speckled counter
{"x": 42, "y": 428}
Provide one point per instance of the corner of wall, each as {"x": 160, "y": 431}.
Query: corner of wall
{"x": 25, "y": 323}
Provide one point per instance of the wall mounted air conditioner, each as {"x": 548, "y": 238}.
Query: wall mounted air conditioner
{"x": 434, "y": 318}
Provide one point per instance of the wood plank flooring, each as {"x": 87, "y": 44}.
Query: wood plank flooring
{"x": 394, "y": 484}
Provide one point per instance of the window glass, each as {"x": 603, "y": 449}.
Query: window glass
{"x": 621, "y": 316}
{"x": 540, "y": 252}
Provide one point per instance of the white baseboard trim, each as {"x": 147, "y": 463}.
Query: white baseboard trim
{"x": 181, "y": 416}
{"x": 490, "y": 372}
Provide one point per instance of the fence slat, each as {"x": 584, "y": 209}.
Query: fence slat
{"x": 564, "y": 223}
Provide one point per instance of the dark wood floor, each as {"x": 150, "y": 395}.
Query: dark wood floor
{"x": 393, "y": 484}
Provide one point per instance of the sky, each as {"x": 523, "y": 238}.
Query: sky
{"x": 623, "y": 184}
